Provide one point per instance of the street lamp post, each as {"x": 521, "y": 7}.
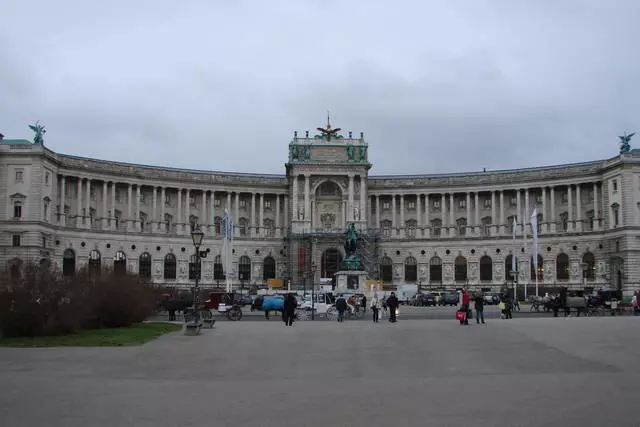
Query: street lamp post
{"x": 313, "y": 291}
{"x": 196, "y": 236}
{"x": 514, "y": 277}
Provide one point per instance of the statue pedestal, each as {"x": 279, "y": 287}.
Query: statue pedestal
{"x": 350, "y": 281}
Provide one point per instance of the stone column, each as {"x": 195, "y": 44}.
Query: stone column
{"x": 544, "y": 209}
{"x": 469, "y": 219}
{"x": 520, "y": 222}
{"x": 419, "y": 215}
{"x": 212, "y": 212}
{"x": 187, "y": 213}
{"x": 444, "y": 230}
{"x": 277, "y": 224}
{"x": 403, "y": 225}
{"x": 261, "y": 224}
{"x": 79, "y": 216}
{"x": 237, "y": 215}
{"x": 394, "y": 223}
{"x": 203, "y": 212}
{"x": 527, "y": 213}
{"x": 138, "y": 223}
{"x": 130, "y": 207}
{"x": 569, "y": 209}
{"x": 477, "y": 215}
{"x": 62, "y": 218}
{"x": 105, "y": 214}
{"x": 502, "y": 224}
{"x": 452, "y": 218}
{"x": 163, "y": 197}
{"x": 87, "y": 204}
{"x": 578, "y": 227}
{"x": 307, "y": 198}
{"x": 553, "y": 209}
{"x": 294, "y": 195}
{"x": 364, "y": 214}
{"x": 285, "y": 219}
{"x": 427, "y": 222}
{"x": 377, "y": 225}
{"x": 350, "y": 200}
{"x": 494, "y": 230}
{"x": 228, "y": 205}
{"x": 154, "y": 210}
{"x": 253, "y": 230}
{"x": 179, "y": 219}
{"x": 596, "y": 225}
{"x": 113, "y": 206}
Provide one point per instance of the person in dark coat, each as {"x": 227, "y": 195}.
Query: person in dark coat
{"x": 392, "y": 303}
{"x": 289, "y": 309}
{"x": 341, "y": 306}
{"x": 363, "y": 304}
{"x": 478, "y": 300}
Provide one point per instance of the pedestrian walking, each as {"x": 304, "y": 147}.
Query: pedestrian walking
{"x": 341, "y": 306}
{"x": 363, "y": 304}
{"x": 392, "y": 303}
{"x": 479, "y": 306}
{"x": 289, "y": 309}
{"x": 375, "y": 308}
{"x": 464, "y": 307}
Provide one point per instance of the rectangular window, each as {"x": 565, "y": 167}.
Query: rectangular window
{"x": 267, "y": 204}
{"x": 436, "y": 204}
{"x": 46, "y": 211}
{"x": 19, "y": 175}
{"x": 386, "y": 205}
{"x": 143, "y": 199}
{"x": 167, "y": 200}
{"x": 16, "y": 240}
{"x": 615, "y": 185}
{"x": 117, "y": 196}
{"x": 514, "y": 201}
{"x": 17, "y": 210}
{"x": 216, "y": 203}
{"x": 487, "y": 203}
{"x": 411, "y": 206}
{"x": 538, "y": 198}
{"x": 462, "y": 204}
{"x": 564, "y": 197}
{"x": 243, "y": 203}
{"x": 46, "y": 178}
{"x": 44, "y": 242}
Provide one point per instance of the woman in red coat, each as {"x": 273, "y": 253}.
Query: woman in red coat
{"x": 466, "y": 301}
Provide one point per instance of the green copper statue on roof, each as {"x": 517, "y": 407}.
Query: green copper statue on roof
{"x": 625, "y": 142}
{"x": 40, "y": 131}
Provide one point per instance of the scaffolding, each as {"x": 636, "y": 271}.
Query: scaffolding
{"x": 302, "y": 252}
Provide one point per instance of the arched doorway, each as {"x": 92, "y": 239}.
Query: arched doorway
{"x": 386, "y": 270}
{"x": 330, "y": 263}
{"x": 144, "y": 265}
{"x": 486, "y": 269}
{"x": 268, "y": 268}
{"x": 68, "y": 263}
{"x": 435, "y": 269}
{"x": 589, "y": 263}
{"x": 410, "y": 270}
{"x": 120, "y": 263}
{"x": 460, "y": 269}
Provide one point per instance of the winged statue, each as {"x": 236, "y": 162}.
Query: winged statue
{"x": 625, "y": 142}
{"x": 40, "y": 131}
{"x": 329, "y": 133}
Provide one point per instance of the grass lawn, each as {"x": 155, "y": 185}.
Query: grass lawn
{"x": 137, "y": 334}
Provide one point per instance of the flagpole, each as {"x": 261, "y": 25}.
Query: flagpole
{"x": 524, "y": 243}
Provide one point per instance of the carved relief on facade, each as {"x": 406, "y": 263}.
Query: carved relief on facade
{"x": 257, "y": 271}
{"x": 423, "y": 271}
{"x": 498, "y": 271}
{"x": 549, "y": 270}
{"x": 601, "y": 269}
{"x": 157, "y": 267}
{"x": 447, "y": 270}
{"x": 182, "y": 269}
{"x": 523, "y": 273}
{"x": 328, "y": 219}
{"x": 575, "y": 270}
{"x": 397, "y": 271}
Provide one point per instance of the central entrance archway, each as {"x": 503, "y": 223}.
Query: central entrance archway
{"x": 330, "y": 263}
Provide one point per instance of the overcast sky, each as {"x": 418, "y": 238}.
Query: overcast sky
{"x": 436, "y": 86}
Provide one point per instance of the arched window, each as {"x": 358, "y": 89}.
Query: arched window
{"x": 120, "y": 263}
{"x": 330, "y": 263}
{"x": 460, "y": 268}
{"x": 269, "y": 268}
{"x": 244, "y": 268}
{"x": 540, "y": 268}
{"x": 95, "y": 263}
{"x": 170, "y": 266}
{"x": 436, "y": 227}
{"x": 508, "y": 267}
{"x": 144, "y": 265}
{"x": 410, "y": 270}
{"x": 410, "y": 226}
{"x": 462, "y": 226}
{"x": 218, "y": 271}
{"x": 386, "y": 269}
{"x": 195, "y": 267}
{"x": 562, "y": 266}
{"x": 243, "y": 226}
{"x": 69, "y": 263}
{"x": 435, "y": 269}
{"x": 589, "y": 265}
{"x": 486, "y": 268}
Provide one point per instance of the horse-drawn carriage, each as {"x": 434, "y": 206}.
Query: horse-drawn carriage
{"x": 223, "y": 303}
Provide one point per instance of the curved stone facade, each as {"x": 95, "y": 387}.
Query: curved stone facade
{"x": 440, "y": 230}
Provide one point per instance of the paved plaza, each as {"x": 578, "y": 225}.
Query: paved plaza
{"x": 524, "y": 372}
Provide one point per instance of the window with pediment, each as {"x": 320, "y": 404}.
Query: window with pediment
{"x": 462, "y": 226}
{"x": 410, "y": 226}
{"x": 436, "y": 227}
{"x": 269, "y": 228}
{"x": 564, "y": 221}
{"x": 385, "y": 226}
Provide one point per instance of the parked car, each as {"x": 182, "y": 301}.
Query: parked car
{"x": 491, "y": 298}
{"x": 450, "y": 298}
{"x": 423, "y": 300}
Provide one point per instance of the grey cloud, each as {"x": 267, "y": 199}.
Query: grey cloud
{"x": 436, "y": 87}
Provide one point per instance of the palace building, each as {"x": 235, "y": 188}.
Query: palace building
{"x": 432, "y": 229}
